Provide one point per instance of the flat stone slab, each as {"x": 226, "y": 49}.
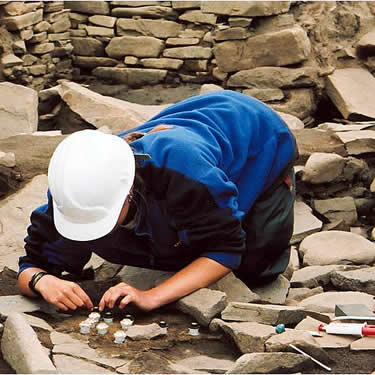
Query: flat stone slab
{"x": 352, "y": 91}
{"x": 203, "y": 304}
{"x": 299, "y": 294}
{"x": 333, "y": 247}
{"x": 235, "y": 289}
{"x": 64, "y": 344}
{"x": 22, "y": 349}
{"x": 314, "y": 276}
{"x": 15, "y": 213}
{"x": 37, "y": 322}
{"x": 266, "y": 314}
{"x": 358, "y": 142}
{"x": 326, "y": 302}
{"x": 144, "y": 332}
{"x": 305, "y": 223}
{"x": 269, "y": 363}
{"x": 20, "y": 304}
{"x": 364, "y": 343}
{"x": 362, "y": 280}
{"x": 69, "y": 365}
{"x": 303, "y": 340}
{"x": 327, "y": 341}
{"x": 274, "y": 292}
{"x": 248, "y": 336}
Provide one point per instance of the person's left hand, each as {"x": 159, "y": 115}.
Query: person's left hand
{"x": 141, "y": 298}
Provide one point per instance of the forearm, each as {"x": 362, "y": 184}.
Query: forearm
{"x": 198, "y": 274}
{"x": 24, "y": 278}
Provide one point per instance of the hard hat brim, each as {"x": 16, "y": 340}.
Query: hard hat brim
{"x": 88, "y": 231}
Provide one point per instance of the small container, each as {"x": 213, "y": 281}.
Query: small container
{"x": 108, "y": 317}
{"x": 85, "y": 326}
{"x": 94, "y": 316}
{"x": 92, "y": 322}
{"x": 194, "y": 329}
{"x": 119, "y": 336}
{"x": 102, "y": 328}
{"x": 164, "y": 327}
{"x": 130, "y": 317}
{"x": 126, "y": 323}
{"x": 95, "y": 309}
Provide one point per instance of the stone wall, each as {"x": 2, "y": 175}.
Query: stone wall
{"x": 280, "y": 52}
{"x": 35, "y": 48}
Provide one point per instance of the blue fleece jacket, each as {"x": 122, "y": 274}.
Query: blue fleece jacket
{"x": 223, "y": 150}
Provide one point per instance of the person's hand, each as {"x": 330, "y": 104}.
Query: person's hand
{"x": 62, "y": 293}
{"x": 141, "y": 298}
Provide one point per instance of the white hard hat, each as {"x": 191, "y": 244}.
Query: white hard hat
{"x": 90, "y": 175}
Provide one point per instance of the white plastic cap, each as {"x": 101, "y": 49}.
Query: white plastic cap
{"x": 90, "y": 175}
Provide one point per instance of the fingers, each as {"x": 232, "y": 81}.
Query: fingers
{"x": 113, "y": 294}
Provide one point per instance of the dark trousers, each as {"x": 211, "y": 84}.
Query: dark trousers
{"x": 269, "y": 228}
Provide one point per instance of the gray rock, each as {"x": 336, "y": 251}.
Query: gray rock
{"x": 146, "y": 12}
{"x": 157, "y": 28}
{"x": 7, "y": 159}
{"x": 274, "y": 292}
{"x": 144, "y": 332}
{"x": 15, "y": 23}
{"x": 305, "y": 223}
{"x": 293, "y": 122}
{"x": 70, "y": 365}
{"x": 313, "y": 276}
{"x": 198, "y": 17}
{"x": 232, "y": 33}
{"x": 303, "y": 340}
{"x": 274, "y": 77}
{"x": 37, "y": 322}
{"x": 327, "y": 341}
{"x": 265, "y": 314}
{"x": 352, "y": 90}
{"x": 134, "y": 77}
{"x": 235, "y": 289}
{"x": 265, "y": 95}
{"x": 333, "y": 247}
{"x": 203, "y": 304}
{"x": 19, "y": 109}
{"x": 41, "y": 48}
{"x": 60, "y": 26}
{"x": 99, "y": 31}
{"x": 54, "y": 17}
{"x": 87, "y": 47}
{"x": 190, "y": 52}
{"x": 92, "y": 7}
{"x": 105, "y": 21}
{"x": 362, "y": 280}
{"x": 174, "y": 42}
{"x": 22, "y": 349}
{"x": 326, "y": 302}
{"x": 299, "y": 294}
{"x": 142, "y": 46}
{"x": 246, "y": 9}
{"x": 322, "y": 167}
{"x": 206, "y": 364}
{"x": 268, "y": 363}
{"x": 336, "y": 209}
{"x": 249, "y": 336}
{"x": 17, "y": 209}
{"x": 210, "y": 87}
{"x": 64, "y": 344}
{"x": 162, "y": 63}
{"x": 100, "y": 110}
{"x": 289, "y": 46}
{"x": 41, "y": 26}
{"x": 358, "y": 142}
{"x": 90, "y": 62}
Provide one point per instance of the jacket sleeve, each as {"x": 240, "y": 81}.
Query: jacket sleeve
{"x": 47, "y": 249}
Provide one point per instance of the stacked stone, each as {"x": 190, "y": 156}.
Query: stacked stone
{"x": 148, "y": 42}
{"x": 38, "y": 49}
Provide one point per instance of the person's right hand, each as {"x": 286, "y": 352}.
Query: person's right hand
{"x": 62, "y": 293}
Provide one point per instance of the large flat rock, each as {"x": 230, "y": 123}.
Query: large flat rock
{"x": 333, "y": 247}
{"x": 352, "y": 90}
{"x": 18, "y": 109}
